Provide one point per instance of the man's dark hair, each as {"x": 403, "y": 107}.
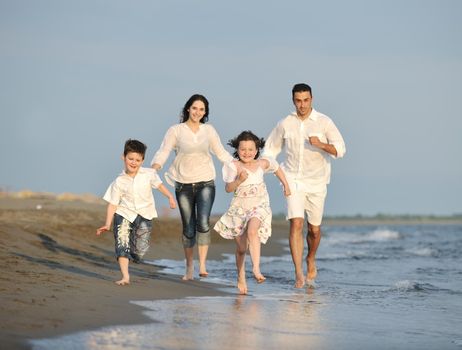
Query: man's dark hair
{"x": 247, "y": 136}
{"x": 300, "y": 88}
{"x": 134, "y": 146}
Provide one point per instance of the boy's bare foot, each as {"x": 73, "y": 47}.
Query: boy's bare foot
{"x": 312, "y": 270}
{"x": 123, "y": 282}
{"x": 189, "y": 275}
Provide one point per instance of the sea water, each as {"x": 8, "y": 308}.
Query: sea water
{"x": 378, "y": 287}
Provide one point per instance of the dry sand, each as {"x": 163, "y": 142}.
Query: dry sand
{"x": 58, "y": 275}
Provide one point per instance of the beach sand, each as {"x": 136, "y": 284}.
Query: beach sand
{"x": 58, "y": 276}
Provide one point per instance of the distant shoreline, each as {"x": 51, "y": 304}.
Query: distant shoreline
{"x": 335, "y": 220}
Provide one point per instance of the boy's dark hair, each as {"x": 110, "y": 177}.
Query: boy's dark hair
{"x": 300, "y": 88}
{"x": 134, "y": 146}
{"x": 185, "y": 113}
{"x": 247, "y": 136}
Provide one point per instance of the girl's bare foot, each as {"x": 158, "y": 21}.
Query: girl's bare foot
{"x": 189, "y": 275}
{"x": 242, "y": 285}
{"x": 259, "y": 278}
{"x": 123, "y": 282}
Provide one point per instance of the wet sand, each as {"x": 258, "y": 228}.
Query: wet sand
{"x": 58, "y": 276}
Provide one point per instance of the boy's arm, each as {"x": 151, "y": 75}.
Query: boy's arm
{"x": 171, "y": 201}
{"x": 282, "y": 177}
{"x": 110, "y": 211}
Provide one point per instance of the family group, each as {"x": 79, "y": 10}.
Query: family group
{"x": 307, "y": 138}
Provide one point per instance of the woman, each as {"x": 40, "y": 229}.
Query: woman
{"x": 193, "y": 173}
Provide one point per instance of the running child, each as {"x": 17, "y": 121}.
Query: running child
{"x": 131, "y": 205}
{"x": 248, "y": 219}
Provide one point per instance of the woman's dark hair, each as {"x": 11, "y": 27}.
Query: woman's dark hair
{"x": 185, "y": 112}
{"x": 247, "y": 136}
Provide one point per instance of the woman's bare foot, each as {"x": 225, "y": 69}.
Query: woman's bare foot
{"x": 203, "y": 271}
{"x": 189, "y": 275}
{"x": 242, "y": 285}
{"x": 312, "y": 270}
{"x": 123, "y": 282}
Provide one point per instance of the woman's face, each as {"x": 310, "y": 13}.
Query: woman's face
{"x": 196, "y": 111}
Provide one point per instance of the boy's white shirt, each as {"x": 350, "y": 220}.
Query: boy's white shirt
{"x": 133, "y": 195}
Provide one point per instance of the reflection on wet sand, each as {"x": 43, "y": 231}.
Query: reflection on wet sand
{"x": 271, "y": 321}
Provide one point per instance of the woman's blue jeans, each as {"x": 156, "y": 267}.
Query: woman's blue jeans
{"x": 195, "y": 203}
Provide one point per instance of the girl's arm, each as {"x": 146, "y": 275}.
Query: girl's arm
{"x": 270, "y": 164}
{"x": 171, "y": 201}
{"x": 232, "y": 186}
{"x": 282, "y": 178}
{"x": 110, "y": 211}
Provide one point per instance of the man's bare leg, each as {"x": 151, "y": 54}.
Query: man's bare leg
{"x": 189, "y": 255}
{"x": 296, "y": 243}
{"x": 123, "y": 263}
{"x": 313, "y": 238}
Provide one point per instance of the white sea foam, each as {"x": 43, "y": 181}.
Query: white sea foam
{"x": 378, "y": 235}
{"x": 422, "y": 251}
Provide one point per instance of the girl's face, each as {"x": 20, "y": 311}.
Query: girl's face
{"x": 247, "y": 151}
{"x": 196, "y": 111}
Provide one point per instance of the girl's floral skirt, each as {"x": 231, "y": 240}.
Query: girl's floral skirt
{"x": 234, "y": 222}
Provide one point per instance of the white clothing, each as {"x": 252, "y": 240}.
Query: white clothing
{"x": 193, "y": 161}
{"x": 133, "y": 195}
{"x": 250, "y": 200}
{"x": 301, "y": 202}
{"x": 304, "y": 164}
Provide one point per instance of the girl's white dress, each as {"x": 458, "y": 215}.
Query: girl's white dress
{"x": 250, "y": 200}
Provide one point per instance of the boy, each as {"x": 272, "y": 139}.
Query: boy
{"x": 131, "y": 204}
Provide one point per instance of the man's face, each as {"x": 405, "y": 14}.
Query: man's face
{"x": 302, "y": 101}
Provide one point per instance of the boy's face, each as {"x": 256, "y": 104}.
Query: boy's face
{"x": 133, "y": 162}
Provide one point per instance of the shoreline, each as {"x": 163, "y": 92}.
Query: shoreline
{"x": 59, "y": 276}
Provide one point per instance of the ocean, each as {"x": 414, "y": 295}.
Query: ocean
{"x": 378, "y": 287}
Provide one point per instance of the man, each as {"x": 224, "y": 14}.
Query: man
{"x": 310, "y": 139}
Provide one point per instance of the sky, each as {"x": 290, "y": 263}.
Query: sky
{"x": 78, "y": 78}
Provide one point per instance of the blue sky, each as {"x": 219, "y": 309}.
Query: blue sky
{"x": 78, "y": 78}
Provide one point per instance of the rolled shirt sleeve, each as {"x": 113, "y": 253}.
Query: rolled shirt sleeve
{"x": 335, "y": 138}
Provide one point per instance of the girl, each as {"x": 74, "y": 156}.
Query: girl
{"x": 248, "y": 219}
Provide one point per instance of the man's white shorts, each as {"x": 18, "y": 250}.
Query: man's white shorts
{"x": 300, "y": 202}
